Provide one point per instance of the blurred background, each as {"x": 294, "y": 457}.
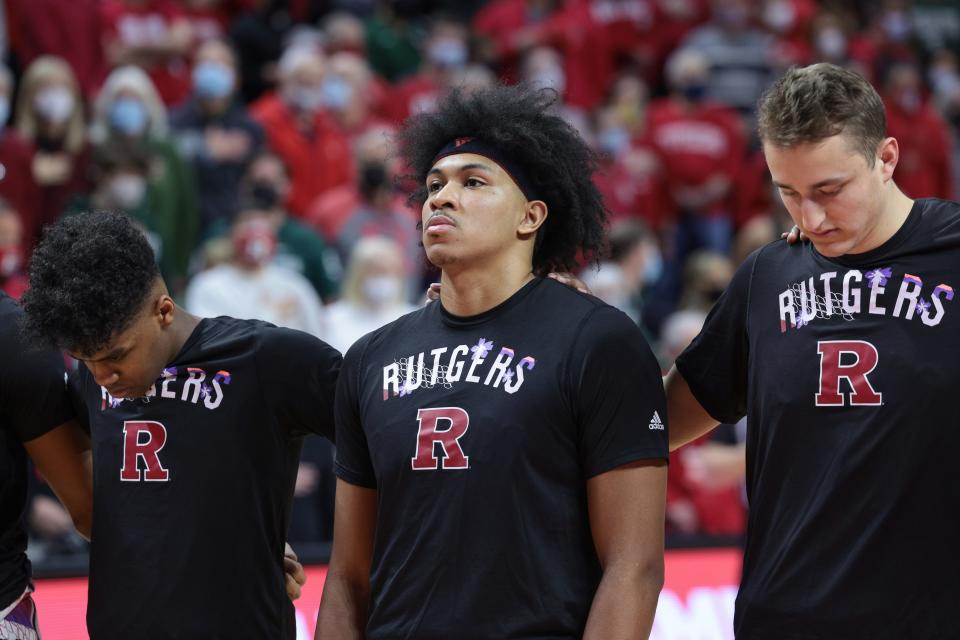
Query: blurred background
{"x": 252, "y": 141}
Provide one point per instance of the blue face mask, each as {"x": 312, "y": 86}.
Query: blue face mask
{"x": 448, "y": 53}
{"x": 614, "y": 140}
{"x": 336, "y": 92}
{"x": 695, "y": 92}
{"x": 212, "y": 80}
{"x": 128, "y": 116}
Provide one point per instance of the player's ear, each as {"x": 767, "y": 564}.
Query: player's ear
{"x": 166, "y": 309}
{"x": 888, "y": 155}
{"x": 534, "y": 215}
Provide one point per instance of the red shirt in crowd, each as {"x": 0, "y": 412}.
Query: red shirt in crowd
{"x": 414, "y": 95}
{"x": 69, "y": 29}
{"x": 718, "y": 511}
{"x": 925, "y": 169}
{"x": 697, "y": 145}
{"x": 134, "y": 25}
{"x": 632, "y": 185}
{"x": 318, "y": 160}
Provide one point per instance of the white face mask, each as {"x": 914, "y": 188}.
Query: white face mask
{"x": 127, "y": 191}
{"x": 381, "y": 290}
{"x": 55, "y": 104}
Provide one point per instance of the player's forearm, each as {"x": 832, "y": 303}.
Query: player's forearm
{"x": 626, "y": 602}
{"x": 343, "y": 610}
{"x": 687, "y": 420}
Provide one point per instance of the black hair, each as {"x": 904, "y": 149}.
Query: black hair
{"x": 89, "y": 277}
{"x": 519, "y": 122}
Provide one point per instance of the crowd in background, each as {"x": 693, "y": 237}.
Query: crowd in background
{"x": 252, "y": 141}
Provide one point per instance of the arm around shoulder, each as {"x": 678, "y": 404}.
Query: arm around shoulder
{"x": 688, "y": 419}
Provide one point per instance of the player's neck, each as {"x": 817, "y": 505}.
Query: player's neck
{"x": 468, "y": 292}
{"x": 182, "y": 327}
{"x": 896, "y": 210}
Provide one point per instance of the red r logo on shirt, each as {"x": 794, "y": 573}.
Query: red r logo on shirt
{"x": 444, "y": 425}
{"x": 142, "y": 440}
{"x": 855, "y": 371}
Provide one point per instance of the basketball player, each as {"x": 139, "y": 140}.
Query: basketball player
{"x": 196, "y": 427}
{"x": 839, "y": 352}
{"x": 35, "y": 418}
{"x": 501, "y": 454}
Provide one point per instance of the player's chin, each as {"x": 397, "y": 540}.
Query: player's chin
{"x": 832, "y": 248}
{"x": 440, "y": 254}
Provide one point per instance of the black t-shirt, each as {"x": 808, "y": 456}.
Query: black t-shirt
{"x": 33, "y": 400}
{"x": 479, "y": 435}
{"x": 193, "y": 484}
{"x": 846, "y": 368}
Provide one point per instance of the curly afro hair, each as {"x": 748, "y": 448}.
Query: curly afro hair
{"x": 518, "y": 121}
{"x": 89, "y": 277}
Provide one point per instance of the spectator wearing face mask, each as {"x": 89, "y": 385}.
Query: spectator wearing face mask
{"x": 381, "y": 211}
{"x": 352, "y": 95}
{"x": 50, "y": 115}
{"x": 16, "y": 159}
{"x": 446, "y": 51}
{"x": 299, "y": 247}
{"x": 119, "y": 175}
{"x": 373, "y": 293}
{"x": 299, "y": 129}
{"x": 13, "y": 282}
{"x": 129, "y": 112}
{"x": 830, "y": 38}
{"x": 925, "y": 169}
{"x": 631, "y": 177}
{"x": 250, "y": 285}
{"x": 701, "y": 144}
{"x": 788, "y": 21}
{"x": 214, "y": 131}
{"x": 943, "y": 76}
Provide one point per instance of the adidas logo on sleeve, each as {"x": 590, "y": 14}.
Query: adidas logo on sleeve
{"x": 655, "y": 422}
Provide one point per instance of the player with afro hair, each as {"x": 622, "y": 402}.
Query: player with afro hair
{"x": 501, "y": 452}
{"x": 557, "y": 164}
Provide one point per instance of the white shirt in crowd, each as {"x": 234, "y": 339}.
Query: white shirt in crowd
{"x": 272, "y": 293}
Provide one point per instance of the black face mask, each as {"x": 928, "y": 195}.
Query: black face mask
{"x": 264, "y": 194}
{"x": 373, "y": 177}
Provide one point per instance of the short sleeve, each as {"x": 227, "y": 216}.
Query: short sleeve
{"x": 353, "y": 463}
{"x": 714, "y": 366}
{"x": 77, "y": 387}
{"x": 33, "y": 382}
{"x": 617, "y": 394}
{"x": 299, "y": 374}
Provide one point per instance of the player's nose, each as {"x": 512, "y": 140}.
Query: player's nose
{"x": 812, "y": 214}
{"x": 103, "y": 375}
{"x": 445, "y": 197}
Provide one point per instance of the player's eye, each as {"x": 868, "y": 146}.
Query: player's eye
{"x": 434, "y": 186}
{"x": 831, "y": 192}
{"x": 474, "y": 182}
